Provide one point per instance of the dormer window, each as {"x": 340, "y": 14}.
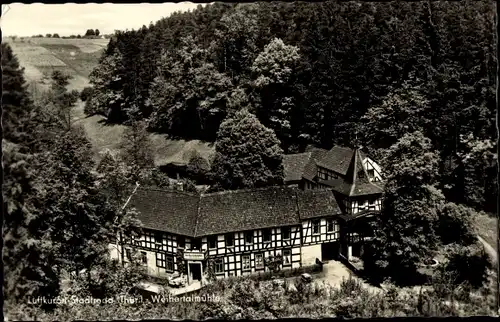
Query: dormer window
{"x": 322, "y": 174}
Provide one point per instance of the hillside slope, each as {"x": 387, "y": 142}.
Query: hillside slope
{"x": 77, "y": 57}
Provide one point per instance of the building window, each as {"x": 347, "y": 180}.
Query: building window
{"x": 285, "y": 233}
{"x": 322, "y": 174}
{"x": 315, "y": 226}
{"x": 259, "y": 260}
{"x": 219, "y": 266}
{"x": 212, "y": 242}
{"x": 144, "y": 258}
{"x": 330, "y": 224}
{"x": 266, "y": 235}
{"x": 149, "y": 240}
{"x": 181, "y": 242}
{"x": 170, "y": 263}
{"x": 229, "y": 240}
{"x": 196, "y": 244}
{"x": 245, "y": 262}
{"x": 249, "y": 237}
{"x": 158, "y": 238}
{"x": 165, "y": 261}
{"x": 371, "y": 173}
{"x": 287, "y": 257}
{"x": 128, "y": 254}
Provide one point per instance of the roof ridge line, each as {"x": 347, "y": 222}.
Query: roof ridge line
{"x": 355, "y": 171}
{"x": 197, "y": 217}
{"x": 283, "y": 187}
{"x": 296, "y": 193}
{"x": 173, "y": 191}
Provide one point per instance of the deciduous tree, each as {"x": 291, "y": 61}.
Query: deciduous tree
{"x": 247, "y": 154}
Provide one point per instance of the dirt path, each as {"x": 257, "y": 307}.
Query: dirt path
{"x": 490, "y": 250}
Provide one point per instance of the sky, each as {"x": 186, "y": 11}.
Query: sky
{"x": 71, "y": 19}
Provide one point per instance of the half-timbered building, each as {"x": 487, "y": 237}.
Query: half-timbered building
{"x": 322, "y": 213}
{"x": 236, "y": 230}
{"x": 356, "y": 181}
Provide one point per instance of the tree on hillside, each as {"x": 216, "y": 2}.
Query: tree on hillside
{"x": 108, "y": 96}
{"x": 456, "y": 224}
{"x": 86, "y": 93}
{"x": 16, "y": 105}
{"x": 97, "y": 32}
{"x": 114, "y": 177}
{"x": 89, "y": 33}
{"x": 474, "y": 175}
{"x": 29, "y": 256}
{"x": 236, "y": 45}
{"x": 189, "y": 97}
{"x": 247, "y": 154}
{"x": 63, "y": 100}
{"x": 273, "y": 69}
{"x": 136, "y": 149}
{"x": 402, "y": 111}
{"x": 405, "y": 234}
{"x": 55, "y": 36}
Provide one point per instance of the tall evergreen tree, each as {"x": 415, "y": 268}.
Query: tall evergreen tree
{"x": 16, "y": 105}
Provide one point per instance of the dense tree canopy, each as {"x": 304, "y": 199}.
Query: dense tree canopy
{"x": 247, "y": 154}
{"x": 59, "y": 217}
{"x": 322, "y": 73}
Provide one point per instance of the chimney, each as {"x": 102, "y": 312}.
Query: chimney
{"x": 179, "y": 186}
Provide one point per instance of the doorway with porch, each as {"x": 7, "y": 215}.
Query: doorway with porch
{"x": 330, "y": 251}
{"x": 196, "y": 271}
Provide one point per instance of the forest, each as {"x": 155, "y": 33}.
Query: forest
{"x": 413, "y": 83}
{"x": 319, "y": 73}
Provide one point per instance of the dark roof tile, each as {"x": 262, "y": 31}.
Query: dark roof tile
{"x": 229, "y": 211}
{"x": 317, "y": 203}
{"x": 239, "y": 210}
{"x": 166, "y": 210}
{"x": 294, "y": 165}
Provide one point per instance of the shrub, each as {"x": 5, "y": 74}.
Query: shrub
{"x": 455, "y": 224}
{"x": 86, "y": 93}
{"x": 469, "y": 264}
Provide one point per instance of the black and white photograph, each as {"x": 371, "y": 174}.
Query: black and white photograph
{"x": 253, "y": 160}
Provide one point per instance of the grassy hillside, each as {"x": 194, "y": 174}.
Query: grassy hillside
{"x": 486, "y": 226}
{"x": 103, "y": 136}
{"x": 78, "y": 57}
{"x": 41, "y": 56}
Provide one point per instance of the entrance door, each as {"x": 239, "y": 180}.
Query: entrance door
{"x": 195, "y": 271}
{"x": 329, "y": 251}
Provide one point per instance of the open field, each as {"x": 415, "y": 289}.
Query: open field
{"x": 41, "y": 56}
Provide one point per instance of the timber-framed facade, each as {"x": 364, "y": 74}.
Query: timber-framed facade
{"x": 315, "y": 216}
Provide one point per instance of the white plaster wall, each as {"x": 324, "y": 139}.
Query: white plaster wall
{"x": 310, "y": 253}
{"x": 370, "y": 164}
{"x": 113, "y": 252}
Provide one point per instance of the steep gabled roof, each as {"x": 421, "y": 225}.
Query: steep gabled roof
{"x": 165, "y": 210}
{"x": 337, "y": 159}
{"x": 294, "y": 165}
{"x": 316, "y": 203}
{"x": 229, "y": 211}
{"x": 355, "y": 182}
{"x": 239, "y": 210}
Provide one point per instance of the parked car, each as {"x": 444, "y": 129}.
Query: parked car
{"x": 306, "y": 277}
{"x": 177, "y": 280}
